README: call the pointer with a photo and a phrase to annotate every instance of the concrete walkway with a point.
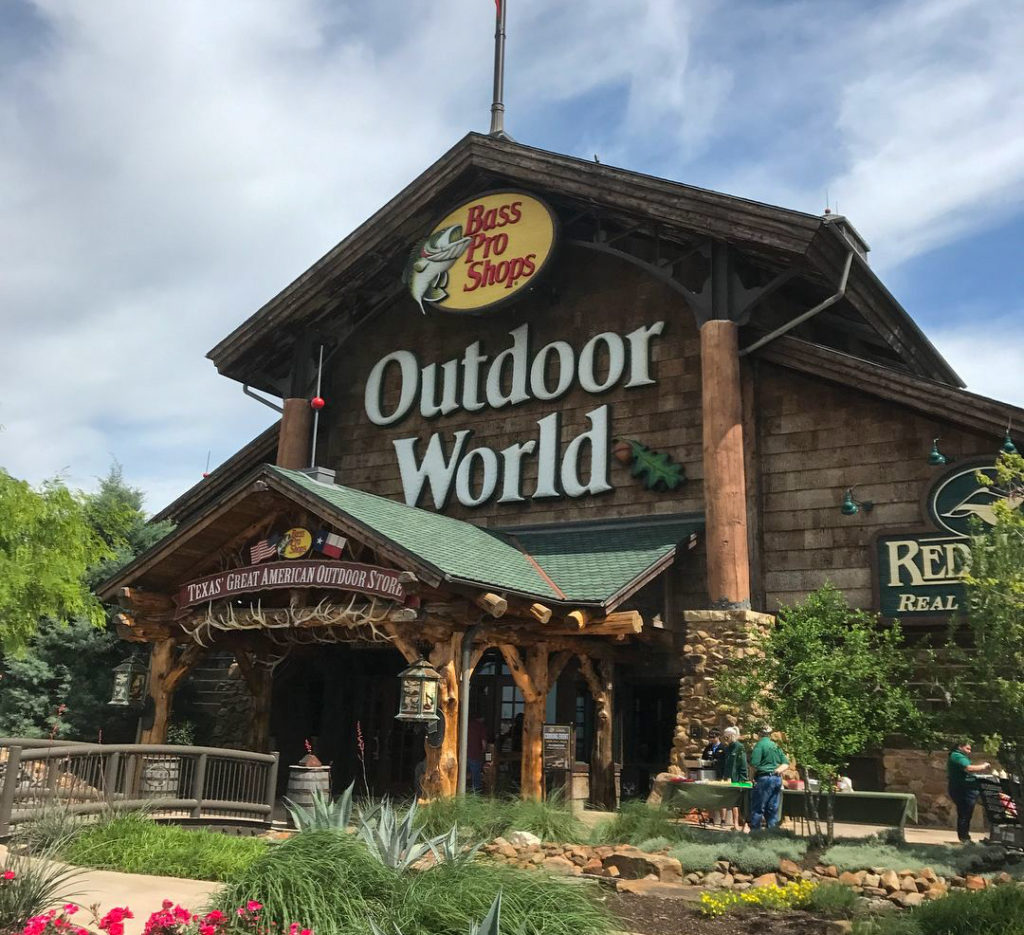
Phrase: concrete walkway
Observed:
(141, 894)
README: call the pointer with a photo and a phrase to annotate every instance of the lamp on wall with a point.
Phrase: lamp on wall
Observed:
(936, 457)
(851, 506)
(1008, 447)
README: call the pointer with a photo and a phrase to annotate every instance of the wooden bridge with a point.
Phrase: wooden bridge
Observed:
(169, 782)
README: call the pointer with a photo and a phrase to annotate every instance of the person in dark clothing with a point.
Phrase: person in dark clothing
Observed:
(714, 752)
(963, 787)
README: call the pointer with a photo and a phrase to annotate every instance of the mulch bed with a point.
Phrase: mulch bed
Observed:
(654, 915)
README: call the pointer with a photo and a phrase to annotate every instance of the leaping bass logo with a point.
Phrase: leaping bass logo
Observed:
(959, 500)
(482, 253)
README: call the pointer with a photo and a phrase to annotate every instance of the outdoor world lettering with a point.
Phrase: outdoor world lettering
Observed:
(572, 467)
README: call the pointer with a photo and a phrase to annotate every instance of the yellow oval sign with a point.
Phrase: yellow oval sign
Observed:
(295, 543)
(482, 253)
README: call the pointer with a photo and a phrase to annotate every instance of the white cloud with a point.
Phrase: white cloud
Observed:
(165, 168)
(987, 355)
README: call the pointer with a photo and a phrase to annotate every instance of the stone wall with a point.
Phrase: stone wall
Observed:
(712, 639)
(923, 773)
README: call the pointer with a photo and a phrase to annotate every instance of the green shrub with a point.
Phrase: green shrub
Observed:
(36, 885)
(944, 859)
(654, 844)
(832, 900)
(755, 854)
(481, 818)
(336, 887)
(133, 843)
(53, 828)
(996, 911)
(636, 822)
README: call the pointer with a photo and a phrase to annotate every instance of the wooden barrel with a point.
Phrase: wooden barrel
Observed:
(304, 780)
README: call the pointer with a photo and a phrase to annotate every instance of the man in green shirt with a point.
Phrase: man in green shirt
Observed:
(963, 787)
(768, 763)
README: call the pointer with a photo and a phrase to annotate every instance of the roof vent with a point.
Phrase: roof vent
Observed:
(849, 232)
(321, 474)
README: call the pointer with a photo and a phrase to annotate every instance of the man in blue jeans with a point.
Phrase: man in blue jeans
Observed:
(767, 763)
(963, 787)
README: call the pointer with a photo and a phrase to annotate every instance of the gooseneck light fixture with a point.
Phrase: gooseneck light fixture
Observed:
(1008, 447)
(851, 506)
(936, 457)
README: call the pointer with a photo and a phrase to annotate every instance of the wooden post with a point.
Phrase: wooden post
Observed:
(602, 766)
(531, 679)
(725, 503)
(441, 776)
(260, 680)
(161, 659)
(293, 439)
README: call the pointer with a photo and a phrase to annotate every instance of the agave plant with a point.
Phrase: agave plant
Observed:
(447, 848)
(324, 815)
(396, 843)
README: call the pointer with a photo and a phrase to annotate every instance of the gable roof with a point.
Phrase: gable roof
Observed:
(361, 275)
(596, 566)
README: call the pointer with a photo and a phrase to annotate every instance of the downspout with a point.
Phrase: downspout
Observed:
(800, 319)
(260, 399)
(467, 652)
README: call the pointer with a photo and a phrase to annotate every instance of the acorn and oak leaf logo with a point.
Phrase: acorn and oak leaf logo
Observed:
(959, 501)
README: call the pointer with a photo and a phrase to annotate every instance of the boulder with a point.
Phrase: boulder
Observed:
(839, 927)
(850, 879)
(832, 871)
(876, 891)
(908, 885)
(936, 891)
(593, 865)
(789, 868)
(715, 878)
(766, 879)
(889, 881)
(910, 900)
(559, 864)
(926, 873)
(973, 882)
(871, 879)
(523, 839)
(1001, 878)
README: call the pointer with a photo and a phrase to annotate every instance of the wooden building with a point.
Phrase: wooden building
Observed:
(589, 426)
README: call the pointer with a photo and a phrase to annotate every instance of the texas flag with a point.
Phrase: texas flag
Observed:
(329, 544)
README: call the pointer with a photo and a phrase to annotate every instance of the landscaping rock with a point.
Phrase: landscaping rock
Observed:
(889, 881)
(975, 883)
(1001, 879)
(908, 885)
(911, 900)
(871, 880)
(928, 874)
(839, 927)
(936, 891)
(832, 871)
(766, 879)
(789, 868)
(957, 881)
(715, 878)
(876, 891)
(558, 864)
(722, 866)
(851, 879)
(523, 839)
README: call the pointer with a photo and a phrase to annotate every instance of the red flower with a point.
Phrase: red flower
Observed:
(9, 874)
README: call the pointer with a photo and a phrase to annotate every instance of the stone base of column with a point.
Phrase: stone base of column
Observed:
(713, 639)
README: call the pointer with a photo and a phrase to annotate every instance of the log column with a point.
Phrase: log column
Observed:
(601, 682)
(165, 673)
(725, 504)
(531, 678)
(441, 776)
(260, 680)
(293, 439)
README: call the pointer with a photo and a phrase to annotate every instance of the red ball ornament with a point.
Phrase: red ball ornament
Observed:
(206, 473)
(317, 403)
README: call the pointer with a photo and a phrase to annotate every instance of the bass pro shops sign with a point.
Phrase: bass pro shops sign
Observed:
(483, 252)
(921, 574)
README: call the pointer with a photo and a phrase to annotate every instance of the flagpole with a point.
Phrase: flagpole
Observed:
(498, 105)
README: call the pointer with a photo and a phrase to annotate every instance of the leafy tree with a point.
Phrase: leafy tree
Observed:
(46, 546)
(987, 693)
(832, 680)
(67, 662)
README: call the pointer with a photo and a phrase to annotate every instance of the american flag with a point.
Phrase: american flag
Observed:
(263, 549)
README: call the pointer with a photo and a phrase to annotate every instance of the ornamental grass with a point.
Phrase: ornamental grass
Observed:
(332, 882)
(133, 843)
(995, 911)
(483, 818)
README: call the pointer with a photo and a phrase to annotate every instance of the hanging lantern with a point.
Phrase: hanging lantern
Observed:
(129, 683)
(1008, 447)
(419, 690)
(936, 457)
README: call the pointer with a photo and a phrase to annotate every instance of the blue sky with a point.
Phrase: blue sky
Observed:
(166, 167)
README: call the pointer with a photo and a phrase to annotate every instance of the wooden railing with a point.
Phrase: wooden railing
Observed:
(169, 782)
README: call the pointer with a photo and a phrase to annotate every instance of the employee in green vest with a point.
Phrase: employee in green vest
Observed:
(963, 787)
(768, 763)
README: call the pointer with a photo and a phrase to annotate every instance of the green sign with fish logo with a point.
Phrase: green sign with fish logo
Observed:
(481, 253)
(959, 499)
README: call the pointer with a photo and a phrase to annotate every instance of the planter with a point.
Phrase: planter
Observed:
(303, 781)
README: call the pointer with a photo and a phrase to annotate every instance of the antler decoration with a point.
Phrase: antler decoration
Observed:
(325, 623)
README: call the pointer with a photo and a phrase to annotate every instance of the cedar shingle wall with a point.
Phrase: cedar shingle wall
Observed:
(816, 439)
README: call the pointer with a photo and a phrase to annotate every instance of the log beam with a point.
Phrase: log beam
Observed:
(493, 604)
(294, 435)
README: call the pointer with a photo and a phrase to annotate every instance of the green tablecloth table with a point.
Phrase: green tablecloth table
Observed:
(683, 796)
(857, 808)
(890, 809)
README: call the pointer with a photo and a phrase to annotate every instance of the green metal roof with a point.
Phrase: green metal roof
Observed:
(588, 565)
